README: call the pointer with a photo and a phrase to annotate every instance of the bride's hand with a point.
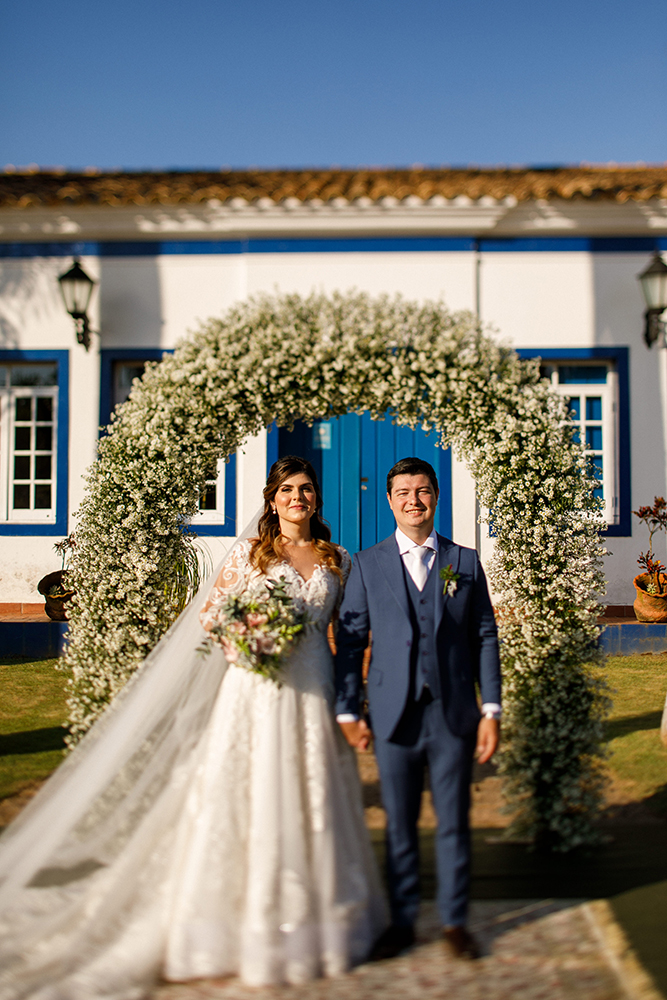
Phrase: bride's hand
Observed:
(357, 734)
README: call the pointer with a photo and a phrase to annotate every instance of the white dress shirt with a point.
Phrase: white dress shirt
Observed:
(407, 549)
(410, 556)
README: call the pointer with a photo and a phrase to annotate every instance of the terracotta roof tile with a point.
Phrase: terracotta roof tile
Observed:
(52, 189)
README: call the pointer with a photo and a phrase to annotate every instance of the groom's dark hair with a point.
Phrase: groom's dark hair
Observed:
(412, 467)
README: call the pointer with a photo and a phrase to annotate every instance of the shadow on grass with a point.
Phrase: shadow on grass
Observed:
(652, 807)
(631, 856)
(643, 915)
(632, 724)
(12, 661)
(33, 741)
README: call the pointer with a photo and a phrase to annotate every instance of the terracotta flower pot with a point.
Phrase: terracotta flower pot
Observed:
(649, 607)
(55, 601)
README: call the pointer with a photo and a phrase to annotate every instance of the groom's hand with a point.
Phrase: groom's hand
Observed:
(488, 733)
(357, 734)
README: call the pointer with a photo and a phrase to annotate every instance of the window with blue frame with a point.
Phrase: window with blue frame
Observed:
(28, 440)
(217, 504)
(591, 389)
(33, 442)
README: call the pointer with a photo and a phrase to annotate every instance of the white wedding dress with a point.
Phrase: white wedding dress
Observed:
(228, 839)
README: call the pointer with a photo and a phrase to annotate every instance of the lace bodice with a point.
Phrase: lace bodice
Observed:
(320, 595)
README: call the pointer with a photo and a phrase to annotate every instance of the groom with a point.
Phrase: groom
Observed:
(426, 602)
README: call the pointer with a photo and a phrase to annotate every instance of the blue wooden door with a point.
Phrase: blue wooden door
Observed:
(352, 456)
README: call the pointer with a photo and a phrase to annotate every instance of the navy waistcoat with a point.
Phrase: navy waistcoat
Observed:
(424, 665)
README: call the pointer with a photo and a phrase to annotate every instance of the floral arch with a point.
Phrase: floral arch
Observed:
(284, 358)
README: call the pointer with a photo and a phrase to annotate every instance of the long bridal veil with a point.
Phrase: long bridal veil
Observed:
(90, 812)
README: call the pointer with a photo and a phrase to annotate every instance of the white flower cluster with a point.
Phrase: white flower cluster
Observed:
(256, 630)
(285, 358)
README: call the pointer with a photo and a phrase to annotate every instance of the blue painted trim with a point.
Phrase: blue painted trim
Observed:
(362, 244)
(230, 496)
(632, 638)
(348, 474)
(107, 358)
(369, 244)
(621, 356)
(228, 529)
(82, 249)
(59, 526)
(272, 446)
(444, 516)
(585, 244)
(155, 248)
(33, 640)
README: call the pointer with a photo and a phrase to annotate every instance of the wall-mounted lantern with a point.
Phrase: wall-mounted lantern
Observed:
(654, 286)
(77, 288)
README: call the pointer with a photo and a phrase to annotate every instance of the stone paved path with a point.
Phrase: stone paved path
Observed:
(532, 950)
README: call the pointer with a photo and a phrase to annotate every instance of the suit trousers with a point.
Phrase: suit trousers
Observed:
(422, 739)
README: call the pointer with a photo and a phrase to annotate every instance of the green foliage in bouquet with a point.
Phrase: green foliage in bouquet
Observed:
(257, 632)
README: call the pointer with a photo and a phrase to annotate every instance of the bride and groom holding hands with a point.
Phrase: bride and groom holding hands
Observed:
(264, 868)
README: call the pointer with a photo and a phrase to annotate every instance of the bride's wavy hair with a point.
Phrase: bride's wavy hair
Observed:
(266, 549)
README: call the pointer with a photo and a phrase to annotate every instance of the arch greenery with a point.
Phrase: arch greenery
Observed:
(284, 358)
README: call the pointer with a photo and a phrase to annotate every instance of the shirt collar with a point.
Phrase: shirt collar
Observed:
(405, 544)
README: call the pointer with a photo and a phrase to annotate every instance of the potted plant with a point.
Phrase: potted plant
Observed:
(651, 585)
(54, 587)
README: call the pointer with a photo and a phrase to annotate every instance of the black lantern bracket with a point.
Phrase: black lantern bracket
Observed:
(654, 286)
(77, 287)
(655, 327)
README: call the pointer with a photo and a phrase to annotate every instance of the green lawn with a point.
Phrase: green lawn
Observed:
(32, 710)
(638, 687)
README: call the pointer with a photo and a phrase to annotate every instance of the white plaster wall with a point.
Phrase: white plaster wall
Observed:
(32, 314)
(24, 560)
(84, 407)
(194, 289)
(540, 299)
(463, 505)
(153, 302)
(450, 276)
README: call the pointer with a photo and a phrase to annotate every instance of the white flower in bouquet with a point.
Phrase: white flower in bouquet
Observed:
(257, 632)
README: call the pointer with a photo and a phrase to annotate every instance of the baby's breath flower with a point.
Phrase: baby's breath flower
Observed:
(284, 358)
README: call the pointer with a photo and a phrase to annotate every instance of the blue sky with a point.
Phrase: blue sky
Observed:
(211, 83)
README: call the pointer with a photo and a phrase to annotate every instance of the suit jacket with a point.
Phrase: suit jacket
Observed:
(376, 599)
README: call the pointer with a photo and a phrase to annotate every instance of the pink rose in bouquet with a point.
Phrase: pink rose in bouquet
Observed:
(257, 632)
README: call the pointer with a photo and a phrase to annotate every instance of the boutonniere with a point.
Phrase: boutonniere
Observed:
(450, 577)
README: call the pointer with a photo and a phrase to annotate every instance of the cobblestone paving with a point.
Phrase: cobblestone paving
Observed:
(531, 950)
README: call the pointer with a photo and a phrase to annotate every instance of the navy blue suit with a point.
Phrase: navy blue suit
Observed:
(429, 651)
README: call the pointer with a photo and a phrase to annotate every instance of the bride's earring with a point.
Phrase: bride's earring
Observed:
(274, 508)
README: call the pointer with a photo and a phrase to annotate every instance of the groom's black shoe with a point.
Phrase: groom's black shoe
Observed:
(394, 940)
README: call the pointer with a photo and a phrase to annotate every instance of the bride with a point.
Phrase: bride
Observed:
(210, 824)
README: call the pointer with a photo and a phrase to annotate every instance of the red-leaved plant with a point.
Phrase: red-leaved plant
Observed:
(655, 519)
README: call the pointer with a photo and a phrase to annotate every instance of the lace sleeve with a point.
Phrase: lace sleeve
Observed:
(231, 580)
(345, 567)
(346, 563)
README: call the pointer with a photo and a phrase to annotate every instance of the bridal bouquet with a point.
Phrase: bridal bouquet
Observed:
(256, 632)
